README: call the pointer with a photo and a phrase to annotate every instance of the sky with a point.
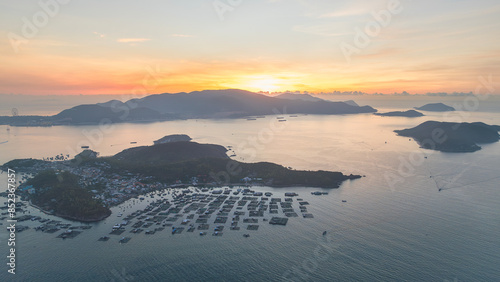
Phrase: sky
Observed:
(156, 46)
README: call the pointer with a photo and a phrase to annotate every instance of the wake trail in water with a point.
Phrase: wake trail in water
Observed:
(453, 183)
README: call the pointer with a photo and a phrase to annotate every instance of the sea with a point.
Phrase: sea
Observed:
(415, 215)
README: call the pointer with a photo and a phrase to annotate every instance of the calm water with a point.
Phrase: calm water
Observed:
(404, 232)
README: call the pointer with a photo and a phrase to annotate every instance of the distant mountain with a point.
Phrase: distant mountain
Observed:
(198, 104)
(310, 98)
(436, 107)
(96, 113)
(409, 113)
(303, 97)
(239, 103)
(452, 136)
(352, 103)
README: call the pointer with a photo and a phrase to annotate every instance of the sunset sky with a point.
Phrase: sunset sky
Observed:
(139, 47)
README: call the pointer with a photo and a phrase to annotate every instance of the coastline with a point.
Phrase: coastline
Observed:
(68, 217)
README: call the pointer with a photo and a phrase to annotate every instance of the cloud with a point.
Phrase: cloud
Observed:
(101, 35)
(132, 40)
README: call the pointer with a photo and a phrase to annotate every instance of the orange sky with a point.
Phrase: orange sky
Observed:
(93, 48)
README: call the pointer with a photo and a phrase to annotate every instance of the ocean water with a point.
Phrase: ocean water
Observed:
(387, 230)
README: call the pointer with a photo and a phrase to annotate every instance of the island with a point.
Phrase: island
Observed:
(436, 107)
(84, 187)
(207, 104)
(409, 113)
(60, 194)
(172, 138)
(452, 136)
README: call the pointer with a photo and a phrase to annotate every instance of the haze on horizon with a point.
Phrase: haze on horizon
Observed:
(122, 47)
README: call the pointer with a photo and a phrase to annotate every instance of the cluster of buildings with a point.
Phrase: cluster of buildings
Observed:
(111, 188)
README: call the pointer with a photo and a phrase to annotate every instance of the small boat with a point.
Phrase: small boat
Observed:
(344, 201)
(133, 142)
(324, 233)
(85, 147)
(203, 233)
(246, 235)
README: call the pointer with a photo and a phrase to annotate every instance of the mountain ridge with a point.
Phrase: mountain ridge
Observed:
(228, 103)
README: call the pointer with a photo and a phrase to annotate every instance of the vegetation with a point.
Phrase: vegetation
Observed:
(21, 163)
(227, 171)
(61, 193)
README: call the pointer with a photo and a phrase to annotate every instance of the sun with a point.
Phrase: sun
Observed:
(269, 84)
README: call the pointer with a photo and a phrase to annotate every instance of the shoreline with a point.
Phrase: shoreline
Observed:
(69, 217)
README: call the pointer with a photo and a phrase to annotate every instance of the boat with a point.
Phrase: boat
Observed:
(246, 235)
(203, 233)
(85, 147)
(324, 233)
(133, 142)
(344, 201)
